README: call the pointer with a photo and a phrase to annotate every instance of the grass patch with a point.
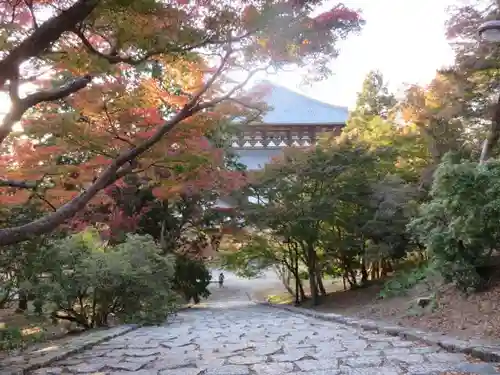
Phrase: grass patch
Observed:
(279, 295)
(280, 299)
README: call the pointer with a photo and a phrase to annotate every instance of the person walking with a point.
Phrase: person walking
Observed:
(221, 280)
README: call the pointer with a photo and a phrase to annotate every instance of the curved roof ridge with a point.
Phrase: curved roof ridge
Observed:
(291, 107)
(320, 102)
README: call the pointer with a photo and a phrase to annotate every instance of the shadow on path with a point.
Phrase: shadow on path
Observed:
(229, 335)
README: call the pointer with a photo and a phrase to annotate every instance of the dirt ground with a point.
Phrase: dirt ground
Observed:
(34, 330)
(474, 317)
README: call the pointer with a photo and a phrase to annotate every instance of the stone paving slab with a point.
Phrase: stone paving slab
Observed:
(485, 350)
(48, 353)
(258, 340)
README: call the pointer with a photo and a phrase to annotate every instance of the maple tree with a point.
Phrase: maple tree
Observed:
(335, 208)
(373, 121)
(436, 110)
(105, 88)
(185, 223)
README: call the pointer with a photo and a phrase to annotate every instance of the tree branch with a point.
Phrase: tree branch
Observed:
(114, 58)
(18, 184)
(239, 86)
(257, 114)
(29, 4)
(43, 37)
(493, 135)
(52, 207)
(122, 165)
(20, 106)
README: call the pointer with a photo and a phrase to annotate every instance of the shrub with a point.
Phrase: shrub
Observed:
(459, 225)
(12, 338)
(402, 281)
(87, 281)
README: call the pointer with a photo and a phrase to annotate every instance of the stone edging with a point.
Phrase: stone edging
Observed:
(485, 351)
(35, 359)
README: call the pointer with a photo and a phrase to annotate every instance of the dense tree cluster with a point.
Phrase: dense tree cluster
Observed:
(412, 180)
(113, 150)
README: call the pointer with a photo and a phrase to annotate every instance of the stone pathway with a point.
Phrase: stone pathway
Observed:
(231, 336)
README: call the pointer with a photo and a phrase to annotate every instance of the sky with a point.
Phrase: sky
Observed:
(404, 39)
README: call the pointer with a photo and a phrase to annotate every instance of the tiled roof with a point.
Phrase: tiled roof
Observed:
(291, 108)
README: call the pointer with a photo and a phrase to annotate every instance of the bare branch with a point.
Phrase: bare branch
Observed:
(231, 92)
(114, 132)
(56, 94)
(43, 37)
(114, 58)
(257, 111)
(29, 4)
(493, 135)
(212, 79)
(18, 184)
(45, 200)
(20, 106)
(248, 106)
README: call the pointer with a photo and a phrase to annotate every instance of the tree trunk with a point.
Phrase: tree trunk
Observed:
(288, 288)
(101, 319)
(314, 288)
(389, 266)
(352, 273)
(319, 281)
(297, 291)
(375, 274)
(196, 299)
(364, 272)
(38, 306)
(352, 283)
(493, 135)
(432, 143)
(303, 296)
(311, 254)
(294, 260)
(384, 267)
(22, 303)
(283, 274)
(300, 294)
(349, 273)
(319, 278)
(288, 277)
(298, 286)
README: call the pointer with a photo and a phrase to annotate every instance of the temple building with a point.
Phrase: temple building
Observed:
(293, 120)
